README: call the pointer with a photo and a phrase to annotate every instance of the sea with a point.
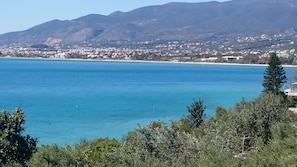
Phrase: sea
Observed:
(66, 101)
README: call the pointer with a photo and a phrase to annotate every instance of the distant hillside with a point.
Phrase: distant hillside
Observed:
(173, 21)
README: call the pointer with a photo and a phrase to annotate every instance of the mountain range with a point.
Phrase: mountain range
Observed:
(172, 21)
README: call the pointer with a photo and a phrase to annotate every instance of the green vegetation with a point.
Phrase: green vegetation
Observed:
(196, 114)
(15, 148)
(260, 132)
(52, 155)
(274, 76)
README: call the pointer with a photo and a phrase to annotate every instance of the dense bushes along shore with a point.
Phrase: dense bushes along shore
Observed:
(261, 132)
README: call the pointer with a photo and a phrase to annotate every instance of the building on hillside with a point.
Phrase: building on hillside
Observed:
(232, 58)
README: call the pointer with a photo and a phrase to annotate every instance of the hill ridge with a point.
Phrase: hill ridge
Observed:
(171, 21)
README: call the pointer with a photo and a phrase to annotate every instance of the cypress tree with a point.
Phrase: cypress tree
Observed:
(196, 113)
(274, 76)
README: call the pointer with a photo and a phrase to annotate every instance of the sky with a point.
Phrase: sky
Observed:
(18, 15)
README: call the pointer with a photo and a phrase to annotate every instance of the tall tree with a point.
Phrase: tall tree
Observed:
(274, 76)
(196, 113)
(14, 147)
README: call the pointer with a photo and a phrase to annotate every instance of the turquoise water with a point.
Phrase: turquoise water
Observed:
(65, 101)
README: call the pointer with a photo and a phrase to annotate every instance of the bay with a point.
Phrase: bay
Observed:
(65, 101)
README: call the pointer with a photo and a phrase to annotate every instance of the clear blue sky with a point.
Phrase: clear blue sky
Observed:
(17, 15)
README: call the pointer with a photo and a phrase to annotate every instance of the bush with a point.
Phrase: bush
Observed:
(15, 148)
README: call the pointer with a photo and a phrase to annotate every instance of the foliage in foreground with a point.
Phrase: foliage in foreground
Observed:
(281, 150)
(15, 148)
(261, 132)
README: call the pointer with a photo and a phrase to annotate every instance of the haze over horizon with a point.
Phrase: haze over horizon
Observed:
(21, 15)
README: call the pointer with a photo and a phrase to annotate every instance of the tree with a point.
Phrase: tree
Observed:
(99, 148)
(274, 76)
(53, 155)
(197, 115)
(163, 144)
(14, 147)
(280, 152)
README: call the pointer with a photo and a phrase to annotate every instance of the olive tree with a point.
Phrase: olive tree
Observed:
(53, 155)
(157, 144)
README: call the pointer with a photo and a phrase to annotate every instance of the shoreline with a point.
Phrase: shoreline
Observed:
(144, 61)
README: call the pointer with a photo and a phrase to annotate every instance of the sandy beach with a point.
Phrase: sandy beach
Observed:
(145, 61)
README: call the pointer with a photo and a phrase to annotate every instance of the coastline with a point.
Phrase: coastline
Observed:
(77, 95)
(145, 61)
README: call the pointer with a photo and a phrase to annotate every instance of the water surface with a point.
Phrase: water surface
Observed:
(65, 101)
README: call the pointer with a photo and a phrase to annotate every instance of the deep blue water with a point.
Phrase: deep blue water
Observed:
(65, 101)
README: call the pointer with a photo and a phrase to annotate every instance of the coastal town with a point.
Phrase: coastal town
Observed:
(245, 50)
